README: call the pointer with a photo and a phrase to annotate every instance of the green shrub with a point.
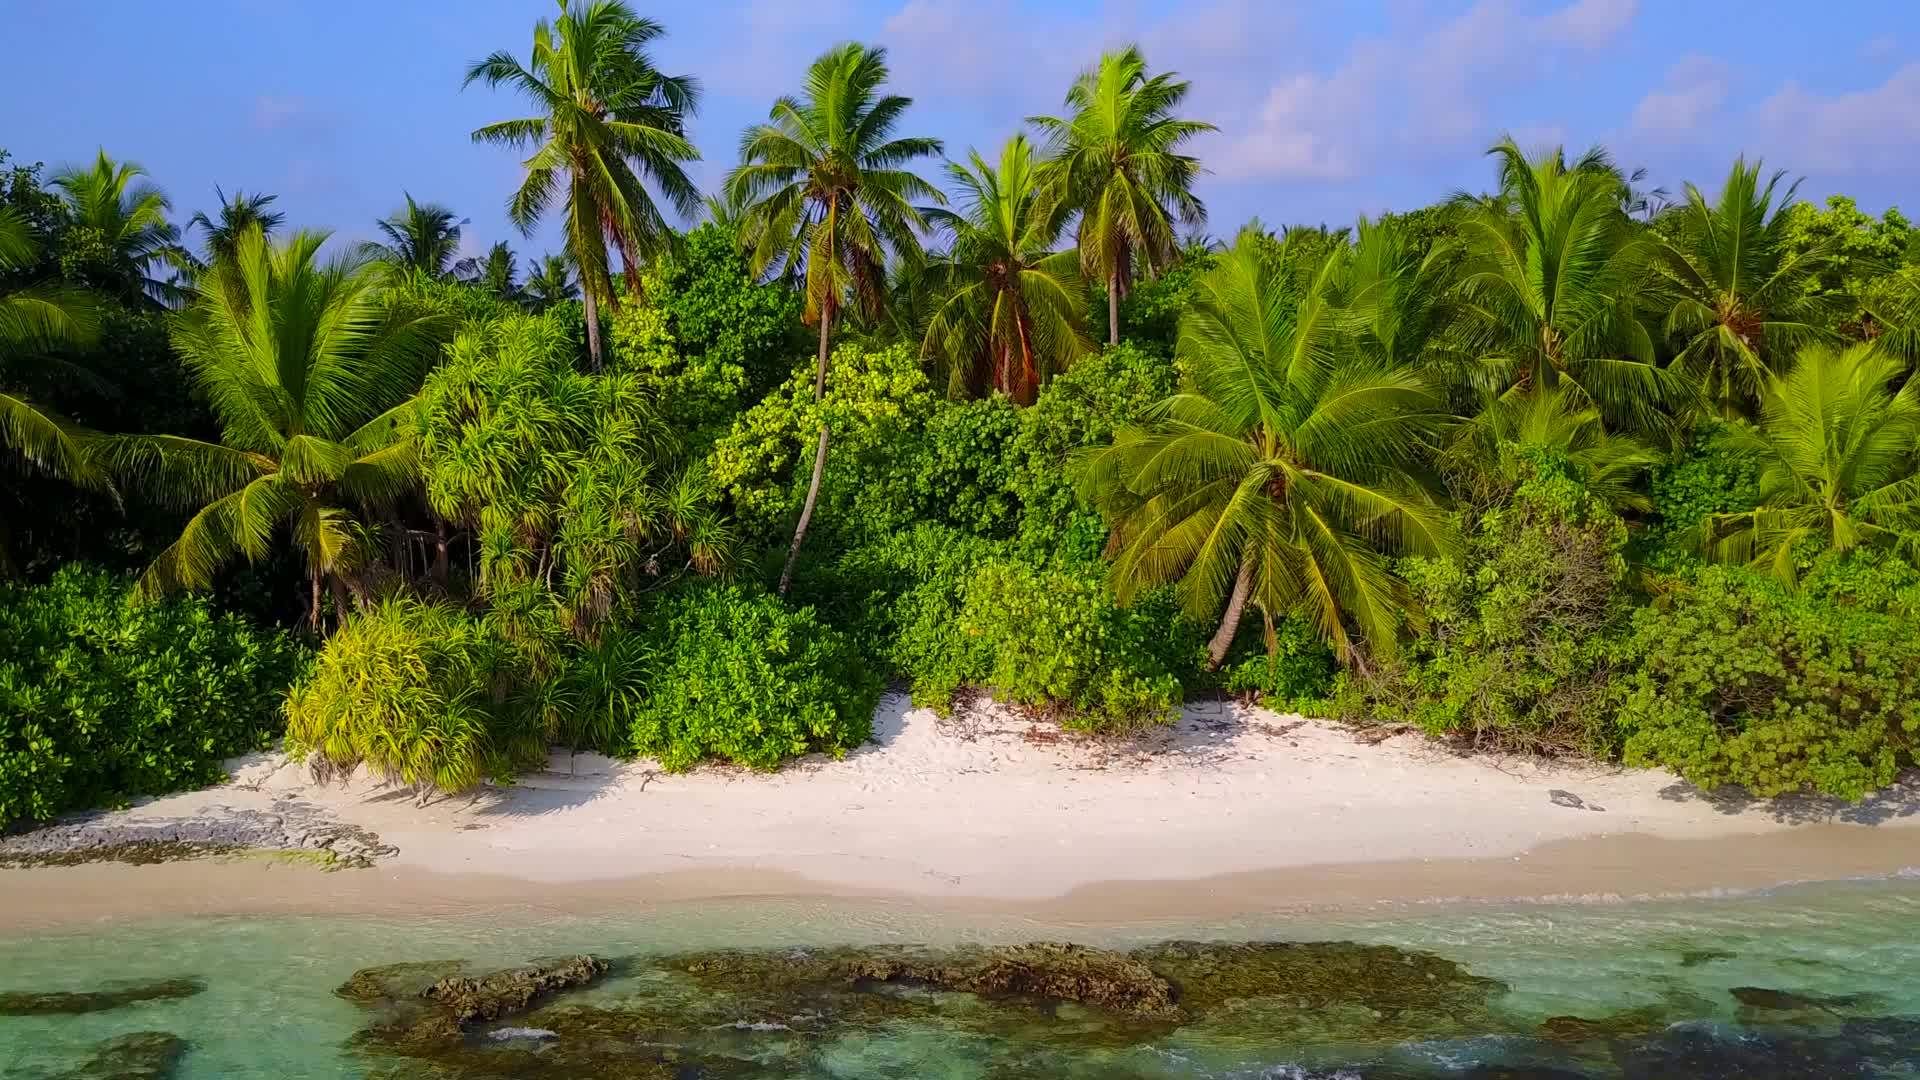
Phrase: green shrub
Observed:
(1708, 477)
(877, 406)
(951, 612)
(101, 699)
(1292, 672)
(1736, 679)
(422, 694)
(1077, 410)
(1514, 653)
(738, 676)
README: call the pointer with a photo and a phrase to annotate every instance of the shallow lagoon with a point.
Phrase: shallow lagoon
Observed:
(1829, 974)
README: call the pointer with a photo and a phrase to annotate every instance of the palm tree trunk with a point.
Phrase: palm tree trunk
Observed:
(592, 312)
(313, 606)
(1113, 308)
(439, 570)
(1236, 604)
(819, 452)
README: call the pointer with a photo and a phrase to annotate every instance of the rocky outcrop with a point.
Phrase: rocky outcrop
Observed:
(290, 826)
(1050, 970)
(118, 995)
(141, 1055)
(503, 993)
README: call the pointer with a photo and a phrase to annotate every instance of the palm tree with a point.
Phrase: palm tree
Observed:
(549, 282)
(310, 372)
(826, 197)
(494, 273)
(1116, 162)
(236, 216)
(1562, 425)
(119, 223)
(1550, 286)
(31, 320)
(1285, 474)
(421, 236)
(1014, 313)
(1735, 292)
(1838, 445)
(606, 118)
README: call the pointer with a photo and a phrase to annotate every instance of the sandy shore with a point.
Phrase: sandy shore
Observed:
(1234, 811)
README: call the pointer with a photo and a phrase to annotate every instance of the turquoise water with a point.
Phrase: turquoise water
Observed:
(1840, 962)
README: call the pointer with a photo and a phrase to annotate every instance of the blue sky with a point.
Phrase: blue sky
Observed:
(1326, 109)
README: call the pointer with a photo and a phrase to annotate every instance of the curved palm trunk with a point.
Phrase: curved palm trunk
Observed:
(1230, 624)
(1113, 308)
(592, 312)
(819, 453)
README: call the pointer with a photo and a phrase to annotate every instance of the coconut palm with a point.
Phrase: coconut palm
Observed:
(420, 236)
(1551, 284)
(119, 224)
(1116, 163)
(236, 215)
(1735, 292)
(309, 371)
(827, 198)
(495, 273)
(549, 282)
(1014, 312)
(32, 320)
(1563, 425)
(1838, 445)
(1285, 475)
(606, 118)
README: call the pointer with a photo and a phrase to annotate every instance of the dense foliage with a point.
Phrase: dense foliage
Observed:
(421, 694)
(102, 698)
(1738, 679)
(736, 675)
(1558, 467)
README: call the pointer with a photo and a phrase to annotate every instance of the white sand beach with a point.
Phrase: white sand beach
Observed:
(1234, 809)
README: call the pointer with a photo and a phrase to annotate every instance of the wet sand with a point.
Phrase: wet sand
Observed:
(1599, 870)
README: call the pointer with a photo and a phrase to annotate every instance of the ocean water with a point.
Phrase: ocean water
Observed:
(1811, 981)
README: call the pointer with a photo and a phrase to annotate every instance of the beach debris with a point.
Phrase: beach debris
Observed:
(139, 1055)
(291, 825)
(503, 993)
(115, 996)
(1562, 797)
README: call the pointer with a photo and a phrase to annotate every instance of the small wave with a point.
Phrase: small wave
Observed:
(753, 1025)
(508, 1034)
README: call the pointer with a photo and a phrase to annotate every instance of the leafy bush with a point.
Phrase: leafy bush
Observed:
(1292, 671)
(1079, 409)
(422, 694)
(738, 676)
(950, 611)
(1515, 652)
(1737, 679)
(1708, 477)
(101, 699)
(877, 405)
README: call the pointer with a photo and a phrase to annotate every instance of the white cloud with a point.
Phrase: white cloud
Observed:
(1428, 88)
(1872, 130)
(1590, 24)
(1695, 90)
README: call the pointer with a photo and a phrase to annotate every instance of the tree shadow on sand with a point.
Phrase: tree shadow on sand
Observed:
(1900, 799)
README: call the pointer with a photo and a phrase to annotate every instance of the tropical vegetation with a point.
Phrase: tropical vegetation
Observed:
(1558, 467)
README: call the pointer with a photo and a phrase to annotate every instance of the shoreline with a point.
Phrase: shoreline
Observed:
(1233, 811)
(1621, 869)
